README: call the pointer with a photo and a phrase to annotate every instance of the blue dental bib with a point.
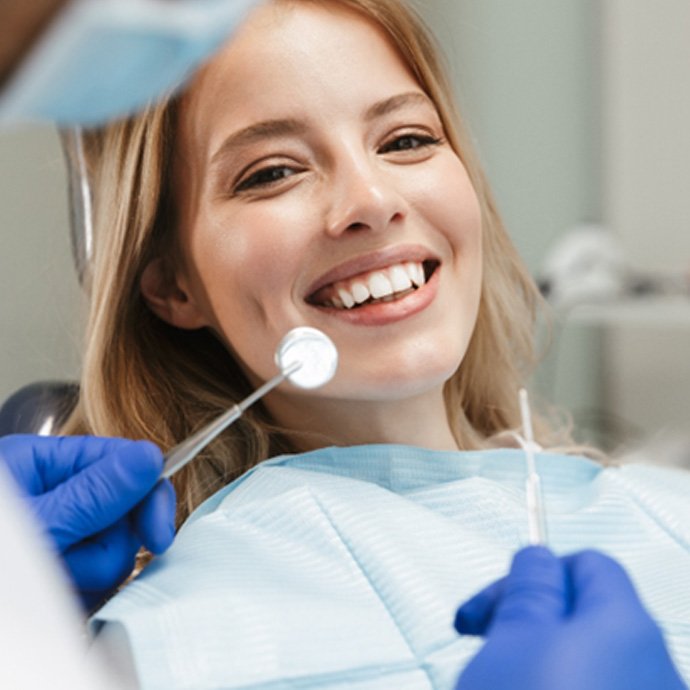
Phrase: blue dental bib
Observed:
(343, 567)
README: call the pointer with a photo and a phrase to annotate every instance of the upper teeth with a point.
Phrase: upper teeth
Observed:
(378, 284)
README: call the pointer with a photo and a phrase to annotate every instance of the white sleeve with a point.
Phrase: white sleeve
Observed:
(42, 637)
(112, 649)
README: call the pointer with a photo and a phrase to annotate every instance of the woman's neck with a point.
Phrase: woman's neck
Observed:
(419, 421)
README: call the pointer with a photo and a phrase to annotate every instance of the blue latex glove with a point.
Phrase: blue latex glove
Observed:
(99, 499)
(572, 623)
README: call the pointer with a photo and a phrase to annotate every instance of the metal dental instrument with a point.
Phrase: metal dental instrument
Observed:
(535, 504)
(305, 356)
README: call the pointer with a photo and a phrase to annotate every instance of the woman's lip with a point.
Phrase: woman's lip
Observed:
(370, 262)
(383, 313)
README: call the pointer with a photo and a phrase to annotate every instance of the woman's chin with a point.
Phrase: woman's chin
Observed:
(403, 385)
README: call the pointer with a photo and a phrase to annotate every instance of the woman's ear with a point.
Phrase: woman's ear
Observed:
(167, 299)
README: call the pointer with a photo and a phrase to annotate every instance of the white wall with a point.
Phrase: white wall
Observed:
(646, 69)
(40, 327)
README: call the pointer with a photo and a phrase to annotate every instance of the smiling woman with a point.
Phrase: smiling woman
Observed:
(315, 174)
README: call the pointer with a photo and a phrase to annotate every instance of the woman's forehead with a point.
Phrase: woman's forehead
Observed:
(294, 59)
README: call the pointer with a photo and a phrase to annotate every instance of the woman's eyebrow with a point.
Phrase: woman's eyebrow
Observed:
(259, 131)
(401, 100)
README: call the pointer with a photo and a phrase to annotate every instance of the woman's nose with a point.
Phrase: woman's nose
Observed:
(363, 198)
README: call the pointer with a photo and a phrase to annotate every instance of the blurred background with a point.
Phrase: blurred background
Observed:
(579, 110)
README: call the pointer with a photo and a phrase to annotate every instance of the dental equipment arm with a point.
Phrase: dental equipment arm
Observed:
(99, 500)
(573, 623)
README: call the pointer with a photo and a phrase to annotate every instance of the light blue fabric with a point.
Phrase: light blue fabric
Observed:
(342, 568)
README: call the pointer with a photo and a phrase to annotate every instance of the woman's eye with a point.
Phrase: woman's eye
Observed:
(409, 142)
(265, 177)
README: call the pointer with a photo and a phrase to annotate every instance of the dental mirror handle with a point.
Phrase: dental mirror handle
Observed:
(177, 457)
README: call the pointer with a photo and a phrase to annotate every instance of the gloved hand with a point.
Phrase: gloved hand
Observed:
(99, 499)
(572, 623)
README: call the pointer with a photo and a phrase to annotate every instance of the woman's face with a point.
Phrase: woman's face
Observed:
(316, 188)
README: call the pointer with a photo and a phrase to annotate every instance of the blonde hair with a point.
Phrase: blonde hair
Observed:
(145, 379)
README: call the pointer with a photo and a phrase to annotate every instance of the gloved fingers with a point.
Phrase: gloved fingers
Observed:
(535, 578)
(605, 597)
(536, 590)
(17, 454)
(474, 616)
(101, 493)
(40, 463)
(154, 518)
(104, 561)
(601, 583)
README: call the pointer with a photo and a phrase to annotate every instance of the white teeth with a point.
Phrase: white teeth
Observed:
(346, 298)
(421, 276)
(386, 285)
(360, 292)
(379, 285)
(399, 279)
(416, 273)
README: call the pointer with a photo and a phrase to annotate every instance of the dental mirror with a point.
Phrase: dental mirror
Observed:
(305, 356)
(315, 352)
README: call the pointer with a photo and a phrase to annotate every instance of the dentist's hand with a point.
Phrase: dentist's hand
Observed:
(572, 623)
(99, 499)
